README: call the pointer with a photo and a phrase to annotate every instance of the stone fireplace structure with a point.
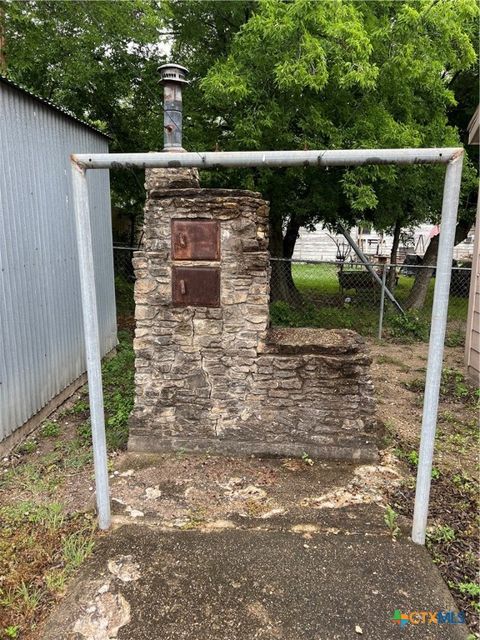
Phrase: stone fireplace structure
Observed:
(211, 374)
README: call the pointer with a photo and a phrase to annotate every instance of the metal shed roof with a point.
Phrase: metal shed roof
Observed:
(53, 106)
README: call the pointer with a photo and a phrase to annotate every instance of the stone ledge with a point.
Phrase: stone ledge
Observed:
(199, 192)
(289, 340)
(367, 452)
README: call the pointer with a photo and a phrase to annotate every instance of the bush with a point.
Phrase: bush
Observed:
(409, 327)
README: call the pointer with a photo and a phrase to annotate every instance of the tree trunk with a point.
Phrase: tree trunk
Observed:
(418, 293)
(282, 286)
(393, 255)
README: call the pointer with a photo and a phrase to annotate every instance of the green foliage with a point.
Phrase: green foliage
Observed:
(48, 515)
(330, 75)
(266, 75)
(29, 446)
(118, 379)
(455, 338)
(76, 548)
(453, 384)
(470, 588)
(307, 459)
(412, 458)
(391, 518)
(124, 296)
(408, 327)
(441, 534)
(98, 60)
(49, 429)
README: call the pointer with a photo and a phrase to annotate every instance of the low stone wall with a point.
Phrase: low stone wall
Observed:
(216, 378)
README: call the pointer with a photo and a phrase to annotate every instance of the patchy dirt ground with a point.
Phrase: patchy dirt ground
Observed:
(453, 534)
(398, 372)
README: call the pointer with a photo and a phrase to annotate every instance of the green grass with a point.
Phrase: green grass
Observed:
(118, 396)
(41, 546)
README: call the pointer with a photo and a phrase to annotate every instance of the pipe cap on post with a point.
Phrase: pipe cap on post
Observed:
(173, 73)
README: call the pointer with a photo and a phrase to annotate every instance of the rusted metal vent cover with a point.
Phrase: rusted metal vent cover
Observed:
(196, 286)
(195, 240)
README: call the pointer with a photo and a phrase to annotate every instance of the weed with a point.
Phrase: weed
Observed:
(81, 406)
(49, 516)
(118, 377)
(441, 533)
(76, 548)
(412, 458)
(307, 459)
(409, 327)
(417, 385)
(84, 434)
(435, 473)
(391, 519)
(49, 429)
(470, 588)
(26, 597)
(455, 338)
(11, 632)
(55, 581)
(29, 446)
(464, 483)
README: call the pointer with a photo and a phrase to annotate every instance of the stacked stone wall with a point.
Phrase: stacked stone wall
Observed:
(219, 379)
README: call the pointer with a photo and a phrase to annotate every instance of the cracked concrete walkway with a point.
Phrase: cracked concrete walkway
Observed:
(232, 549)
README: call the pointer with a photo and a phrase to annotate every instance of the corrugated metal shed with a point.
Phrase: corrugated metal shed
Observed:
(41, 336)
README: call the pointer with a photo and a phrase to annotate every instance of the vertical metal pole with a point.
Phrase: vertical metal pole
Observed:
(441, 294)
(92, 342)
(382, 302)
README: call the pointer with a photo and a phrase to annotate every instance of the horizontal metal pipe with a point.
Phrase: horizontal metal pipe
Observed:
(322, 158)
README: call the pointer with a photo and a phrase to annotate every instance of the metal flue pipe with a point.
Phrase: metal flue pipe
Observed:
(173, 77)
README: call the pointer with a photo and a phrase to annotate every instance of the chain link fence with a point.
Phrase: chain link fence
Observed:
(124, 282)
(348, 295)
(342, 295)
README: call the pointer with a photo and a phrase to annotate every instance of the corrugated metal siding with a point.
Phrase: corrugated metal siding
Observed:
(41, 339)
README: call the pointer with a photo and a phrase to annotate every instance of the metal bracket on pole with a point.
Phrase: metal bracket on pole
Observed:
(363, 258)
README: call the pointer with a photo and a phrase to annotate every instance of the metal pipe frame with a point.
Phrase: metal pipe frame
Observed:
(452, 157)
(214, 159)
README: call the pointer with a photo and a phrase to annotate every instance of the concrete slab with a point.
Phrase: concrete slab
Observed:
(229, 584)
(215, 548)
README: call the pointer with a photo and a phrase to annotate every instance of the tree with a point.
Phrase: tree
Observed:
(99, 61)
(344, 74)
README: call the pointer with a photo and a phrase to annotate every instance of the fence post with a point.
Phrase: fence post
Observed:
(382, 301)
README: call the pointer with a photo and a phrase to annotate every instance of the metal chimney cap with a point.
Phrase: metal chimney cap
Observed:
(173, 73)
